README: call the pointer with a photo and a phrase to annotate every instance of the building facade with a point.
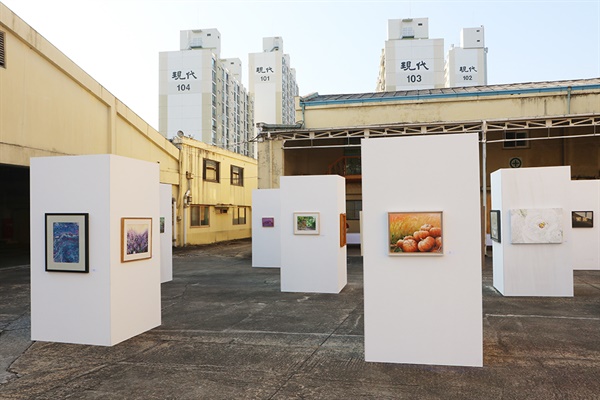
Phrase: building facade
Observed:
(467, 65)
(413, 61)
(202, 96)
(50, 107)
(216, 187)
(519, 125)
(272, 83)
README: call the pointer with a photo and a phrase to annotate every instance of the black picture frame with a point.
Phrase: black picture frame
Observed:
(67, 242)
(582, 219)
(495, 226)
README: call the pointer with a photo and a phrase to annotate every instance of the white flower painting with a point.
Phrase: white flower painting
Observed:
(537, 225)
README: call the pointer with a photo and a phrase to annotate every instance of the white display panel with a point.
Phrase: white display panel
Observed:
(585, 246)
(165, 231)
(527, 268)
(313, 262)
(113, 301)
(266, 240)
(423, 309)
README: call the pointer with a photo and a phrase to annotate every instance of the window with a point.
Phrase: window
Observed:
(199, 215)
(237, 176)
(239, 216)
(353, 208)
(2, 57)
(515, 140)
(211, 170)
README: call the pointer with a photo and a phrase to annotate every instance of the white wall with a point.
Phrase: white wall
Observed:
(266, 242)
(585, 242)
(423, 309)
(313, 263)
(532, 269)
(166, 238)
(114, 301)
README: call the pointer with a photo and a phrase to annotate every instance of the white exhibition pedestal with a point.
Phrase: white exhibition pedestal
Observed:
(585, 242)
(114, 301)
(313, 263)
(532, 269)
(166, 237)
(266, 240)
(423, 309)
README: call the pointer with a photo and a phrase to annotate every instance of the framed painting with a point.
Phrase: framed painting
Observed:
(67, 242)
(536, 225)
(582, 219)
(268, 222)
(162, 225)
(306, 223)
(415, 233)
(343, 230)
(136, 239)
(495, 225)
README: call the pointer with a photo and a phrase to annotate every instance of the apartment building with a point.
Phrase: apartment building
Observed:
(272, 83)
(201, 95)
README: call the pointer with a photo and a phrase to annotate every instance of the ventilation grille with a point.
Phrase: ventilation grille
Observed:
(2, 58)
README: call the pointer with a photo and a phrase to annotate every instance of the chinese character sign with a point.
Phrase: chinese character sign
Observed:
(184, 81)
(467, 69)
(264, 73)
(417, 73)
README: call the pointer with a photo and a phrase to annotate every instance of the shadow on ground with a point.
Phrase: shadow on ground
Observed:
(228, 332)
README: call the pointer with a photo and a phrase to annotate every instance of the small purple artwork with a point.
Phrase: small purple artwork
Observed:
(137, 239)
(268, 222)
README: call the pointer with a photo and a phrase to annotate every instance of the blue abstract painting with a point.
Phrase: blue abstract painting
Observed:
(66, 242)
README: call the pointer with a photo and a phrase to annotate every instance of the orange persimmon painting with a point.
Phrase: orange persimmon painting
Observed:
(415, 233)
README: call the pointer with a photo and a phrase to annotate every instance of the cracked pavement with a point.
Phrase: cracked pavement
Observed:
(228, 332)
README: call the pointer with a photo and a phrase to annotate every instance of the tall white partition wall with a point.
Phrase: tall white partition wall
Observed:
(266, 237)
(166, 233)
(585, 240)
(315, 262)
(114, 301)
(532, 269)
(423, 309)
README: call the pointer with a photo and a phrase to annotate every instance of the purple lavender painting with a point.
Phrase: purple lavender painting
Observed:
(137, 238)
(66, 242)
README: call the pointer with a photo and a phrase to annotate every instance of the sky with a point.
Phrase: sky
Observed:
(335, 46)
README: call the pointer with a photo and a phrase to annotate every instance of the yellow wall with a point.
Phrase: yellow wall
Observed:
(451, 109)
(51, 107)
(222, 194)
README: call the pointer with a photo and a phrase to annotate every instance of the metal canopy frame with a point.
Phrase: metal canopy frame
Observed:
(294, 139)
(317, 138)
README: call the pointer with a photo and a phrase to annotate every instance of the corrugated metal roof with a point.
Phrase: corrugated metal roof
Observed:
(454, 91)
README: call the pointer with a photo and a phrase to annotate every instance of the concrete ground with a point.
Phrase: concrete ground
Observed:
(229, 333)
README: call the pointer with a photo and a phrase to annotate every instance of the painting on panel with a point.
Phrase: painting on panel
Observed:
(536, 225)
(582, 219)
(415, 233)
(268, 222)
(136, 239)
(67, 243)
(306, 223)
(343, 230)
(162, 224)
(495, 225)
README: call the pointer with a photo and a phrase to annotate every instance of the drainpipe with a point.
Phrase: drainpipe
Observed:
(484, 181)
(174, 221)
(569, 100)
